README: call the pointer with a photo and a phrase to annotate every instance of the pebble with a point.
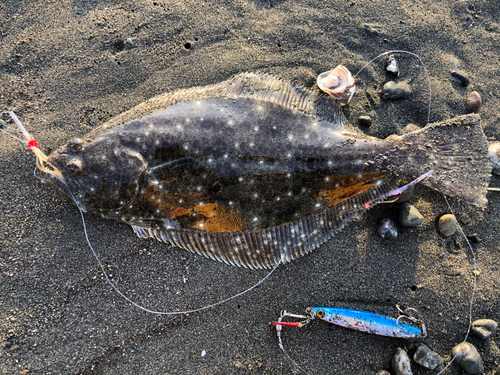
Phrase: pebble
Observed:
(427, 358)
(370, 30)
(494, 151)
(129, 43)
(388, 230)
(365, 120)
(392, 66)
(447, 225)
(409, 216)
(473, 102)
(484, 328)
(401, 363)
(468, 358)
(393, 90)
(383, 372)
(464, 80)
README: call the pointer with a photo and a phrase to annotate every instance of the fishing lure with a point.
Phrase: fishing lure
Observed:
(254, 171)
(360, 321)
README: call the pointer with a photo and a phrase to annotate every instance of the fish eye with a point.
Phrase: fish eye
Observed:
(320, 314)
(75, 166)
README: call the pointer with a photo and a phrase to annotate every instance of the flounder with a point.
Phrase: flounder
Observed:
(255, 171)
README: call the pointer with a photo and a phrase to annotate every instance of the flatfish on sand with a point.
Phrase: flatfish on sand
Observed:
(255, 171)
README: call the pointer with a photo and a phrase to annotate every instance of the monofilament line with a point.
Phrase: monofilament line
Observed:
(421, 62)
(154, 311)
(474, 288)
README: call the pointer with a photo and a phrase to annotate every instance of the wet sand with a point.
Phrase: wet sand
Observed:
(68, 66)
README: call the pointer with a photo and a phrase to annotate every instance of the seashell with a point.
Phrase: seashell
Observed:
(338, 83)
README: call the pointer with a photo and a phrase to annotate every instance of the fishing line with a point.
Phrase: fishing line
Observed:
(421, 62)
(474, 287)
(155, 311)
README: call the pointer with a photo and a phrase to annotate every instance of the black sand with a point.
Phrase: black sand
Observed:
(68, 66)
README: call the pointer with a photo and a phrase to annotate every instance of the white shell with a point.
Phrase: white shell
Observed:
(338, 83)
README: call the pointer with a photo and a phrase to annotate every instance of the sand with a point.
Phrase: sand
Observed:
(68, 66)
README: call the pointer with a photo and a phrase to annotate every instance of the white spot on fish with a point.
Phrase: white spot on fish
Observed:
(289, 193)
(226, 156)
(290, 137)
(256, 128)
(255, 195)
(230, 122)
(151, 125)
(330, 162)
(187, 120)
(288, 155)
(103, 157)
(115, 152)
(186, 147)
(179, 126)
(198, 102)
(255, 219)
(198, 188)
(278, 198)
(314, 124)
(261, 162)
(260, 108)
(251, 144)
(138, 139)
(317, 205)
(230, 203)
(157, 142)
(327, 179)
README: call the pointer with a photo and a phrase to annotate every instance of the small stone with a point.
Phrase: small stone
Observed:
(129, 43)
(393, 90)
(370, 30)
(409, 216)
(365, 120)
(493, 152)
(383, 372)
(474, 238)
(484, 328)
(401, 363)
(473, 102)
(468, 358)
(392, 66)
(447, 225)
(427, 358)
(464, 80)
(388, 230)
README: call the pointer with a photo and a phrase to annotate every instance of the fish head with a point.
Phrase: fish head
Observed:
(100, 176)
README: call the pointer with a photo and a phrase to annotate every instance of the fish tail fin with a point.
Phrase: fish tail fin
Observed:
(457, 152)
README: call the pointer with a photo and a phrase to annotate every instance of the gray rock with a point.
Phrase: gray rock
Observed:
(409, 216)
(383, 372)
(365, 120)
(401, 363)
(393, 90)
(484, 328)
(427, 358)
(468, 358)
(447, 225)
(473, 102)
(388, 230)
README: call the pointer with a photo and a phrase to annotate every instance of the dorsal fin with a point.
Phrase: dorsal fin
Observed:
(246, 85)
(267, 247)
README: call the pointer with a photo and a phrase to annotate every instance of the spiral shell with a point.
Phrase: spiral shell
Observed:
(338, 83)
